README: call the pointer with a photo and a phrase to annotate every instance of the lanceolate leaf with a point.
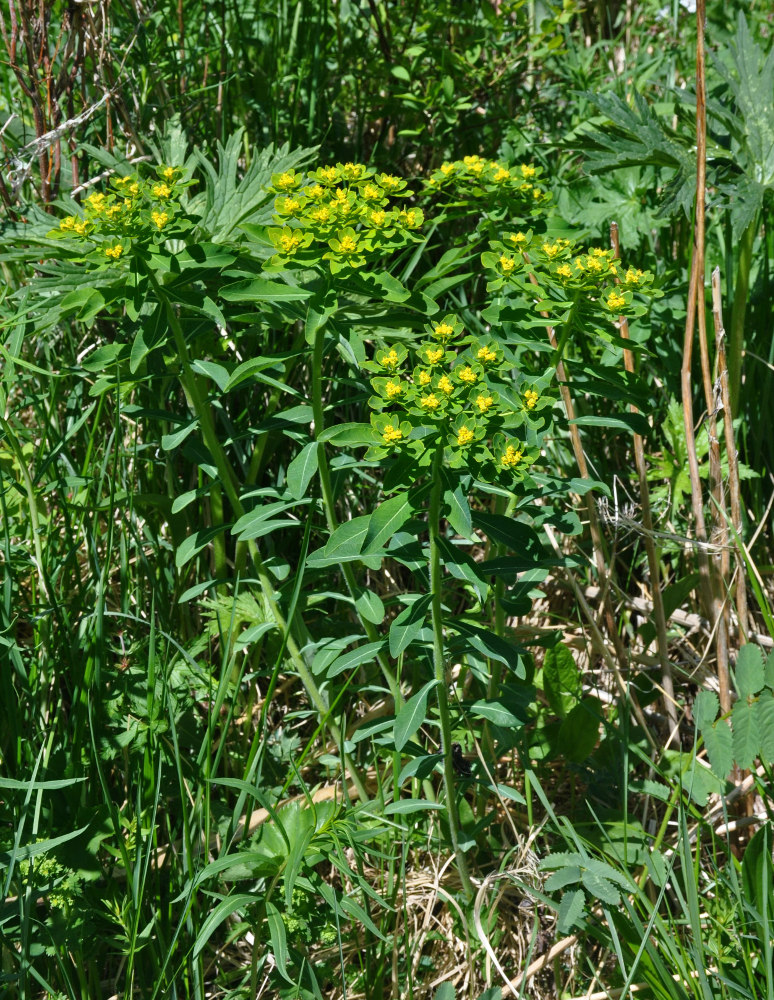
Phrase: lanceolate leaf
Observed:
(412, 715)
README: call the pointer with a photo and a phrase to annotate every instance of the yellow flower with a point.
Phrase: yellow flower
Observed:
(476, 168)
(315, 192)
(615, 300)
(290, 206)
(447, 168)
(352, 171)
(424, 378)
(467, 374)
(430, 402)
(378, 218)
(96, 202)
(564, 271)
(348, 245)
(445, 384)
(134, 188)
(527, 171)
(434, 355)
(114, 252)
(518, 238)
(390, 360)
(160, 219)
(507, 264)
(594, 264)
(486, 354)
(530, 399)
(329, 174)
(393, 389)
(289, 243)
(68, 223)
(410, 218)
(633, 276)
(469, 161)
(286, 181)
(80, 227)
(389, 182)
(511, 458)
(391, 435)
(169, 173)
(551, 249)
(464, 436)
(322, 214)
(484, 402)
(500, 175)
(443, 331)
(112, 212)
(371, 192)
(161, 190)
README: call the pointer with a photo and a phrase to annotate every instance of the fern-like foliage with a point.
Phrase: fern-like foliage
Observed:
(749, 732)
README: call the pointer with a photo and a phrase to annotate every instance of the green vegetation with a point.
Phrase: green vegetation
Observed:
(384, 483)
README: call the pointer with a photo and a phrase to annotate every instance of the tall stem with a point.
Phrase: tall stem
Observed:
(439, 668)
(229, 482)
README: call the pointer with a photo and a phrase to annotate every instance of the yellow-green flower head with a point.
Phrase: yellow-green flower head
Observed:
(467, 375)
(424, 378)
(328, 175)
(371, 192)
(378, 218)
(161, 190)
(348, 244)
(434, 355)
(615, 300)
(389, 182)
(484, 402)
(599, 252)
(564, 271)
(352, 171)
(81, 226)
(68, 223)
(322, 215)
(160, 219)
(594, 265)
(518, 239)
(443, 332)
(430, 402)
(393, 390)
(411, 218)
(392, 435)
(486, 355)
(527, 171)
(500, 175)
(476, 168)
(286, 181)
(168, 173)
(448, 168)
(445, 385)
(464, 436)
(289, 242)
(552, 249)
(470, 161)
(114, 252)
(530, 399)
(316, 192)
(511, 457)
(507, 264)
(96, 202)
(288, 206)
(389, 359)
(633, 276)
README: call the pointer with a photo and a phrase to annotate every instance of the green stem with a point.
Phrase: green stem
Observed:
(739, 312)
(229, 483)
(439, 668)
(330, 509)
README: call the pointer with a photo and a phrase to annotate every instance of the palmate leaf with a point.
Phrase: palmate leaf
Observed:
(638, 136)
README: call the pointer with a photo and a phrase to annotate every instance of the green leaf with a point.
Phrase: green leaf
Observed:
(461, 566)
(354, 658)
(518, 537)
(458, 513)
(369, 606)
(705, 709)
(571, 909)
(600, 888)
(562, 679)
(444, 992)
(408, 624)
(388, 518)
(215, 918)
(405, 806)
(490, 645)
(497, 713)
(344, 545)
(746, 735)
(579, 732)
(412, 715)
(769, 670)
(420, 767)
(749, 671)
(262, 290)
(766, 726)
(302, 469)
(634, 423)
(563, 877)
(718, 743)
(195, 542)
(278, 938)
(348, 435)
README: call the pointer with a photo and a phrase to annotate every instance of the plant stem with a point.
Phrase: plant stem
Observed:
(439, 667)
(229, 482)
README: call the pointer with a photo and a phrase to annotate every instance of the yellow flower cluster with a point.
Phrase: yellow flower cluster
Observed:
(392, 435)
(511, 457)
(494, 176)
(530, 399)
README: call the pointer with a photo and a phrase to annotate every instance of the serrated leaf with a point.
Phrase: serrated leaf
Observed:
(562, 878)
(412, 715)
(749, 670)
(705, 709)
(600, 888)
(746, 735)
(766, 726)
(719, 745)
(571, 910)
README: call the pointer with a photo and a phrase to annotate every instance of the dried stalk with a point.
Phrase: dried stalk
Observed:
(667, 682)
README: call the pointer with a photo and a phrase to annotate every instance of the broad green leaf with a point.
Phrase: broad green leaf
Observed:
(571, 909)
(195, 542)
(562, 679)
(600, 888)
(749, 671)
(354, 658)
(344, 545)
(769, 670)
(171, 441)
(461, 566)
(766, 725)
(302, 469)
(563, 877)
(705, 709)
(746, 735)
(348, 435)
(408, 624)
(718, 743)
(369, 606)
(519, 537)
(420, 767)
(405, 806)
(262, 290)
(458, 512)
(579, 732)
(218, 374)
(412, 715)
(491, 645)
(444, 992)
(634, 423)
(497, 713)
(388, 518)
